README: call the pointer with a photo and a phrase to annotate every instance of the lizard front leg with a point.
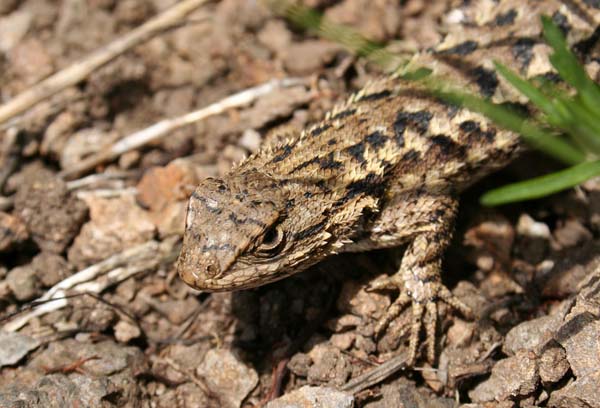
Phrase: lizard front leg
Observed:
(418, 279)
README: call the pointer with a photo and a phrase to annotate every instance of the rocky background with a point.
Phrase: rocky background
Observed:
(102, 238)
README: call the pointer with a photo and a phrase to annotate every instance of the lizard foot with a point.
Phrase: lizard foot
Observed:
(424, 302)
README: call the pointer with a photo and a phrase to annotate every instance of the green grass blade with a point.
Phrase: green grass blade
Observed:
(529, 90)
(568, 66)
(542, 186)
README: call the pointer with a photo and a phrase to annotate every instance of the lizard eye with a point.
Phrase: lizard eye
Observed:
(272, 241)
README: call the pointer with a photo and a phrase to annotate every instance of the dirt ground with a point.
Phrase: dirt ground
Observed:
(127, 332)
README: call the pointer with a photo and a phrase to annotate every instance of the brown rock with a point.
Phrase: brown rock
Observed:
(50, 268)
(330, 366)
(227, 376)
(581, 393)
(160, 186)
(376, 23)
(309, 56)
(513, 377)
(553, 364)
(165, 191)
(308, 397)
(12, 231)
(532, 334)
(23, 283)
(580, 337)
(52, 215)
(275, 36)
(571, 233)
(115, 224)
(571, 268)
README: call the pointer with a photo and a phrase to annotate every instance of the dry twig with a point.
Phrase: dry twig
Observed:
(166, 126)
(96, 278)
(375, 375)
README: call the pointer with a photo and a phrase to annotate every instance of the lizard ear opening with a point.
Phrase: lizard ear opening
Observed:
(272, 242)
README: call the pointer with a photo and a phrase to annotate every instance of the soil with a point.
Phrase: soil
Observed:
(132, 334)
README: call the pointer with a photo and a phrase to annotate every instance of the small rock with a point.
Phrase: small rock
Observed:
(177, 311)
(13, 28)
(115, 224)
(378, 23)
(309, 397)
(330, 366)
(309, 56)
(165, 192)
(160, 186)
(189, 395)
(365, 344)
(513, 377)
(492, 242)
(553, 364)
(15, 346)
(275, 36)
(581, 393)
(109, 373)
(31, 59)
(404, 393)
(571, 233)
(250, 140)
(132, 12)
(531, 334)
(125, 331)
(354, 299)
(128, 160)
(50, 268)
(344, 322)
(52, 215)
(299, 364)
(527, 226)
(58, 133)
(534, 239)
(570, 269)
(343, 341)
(580, 337)
(83, 143)
(186, 358)
(24, 283)
(12, 231)
(227, 376)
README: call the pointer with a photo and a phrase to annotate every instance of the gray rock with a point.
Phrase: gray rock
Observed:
(581, 393)
(23, 282)
(227, 377)
(313, 397)
(515, 376)
(580, 337)
(531, 334)
(15, 346)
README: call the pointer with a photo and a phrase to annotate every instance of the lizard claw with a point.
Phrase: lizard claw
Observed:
(424, 314)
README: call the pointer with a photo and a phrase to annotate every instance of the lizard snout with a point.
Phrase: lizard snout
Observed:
(198, 268)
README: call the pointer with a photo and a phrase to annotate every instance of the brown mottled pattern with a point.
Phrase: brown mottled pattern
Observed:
(381, 170)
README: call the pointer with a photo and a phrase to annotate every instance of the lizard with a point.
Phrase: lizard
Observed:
(383, 169)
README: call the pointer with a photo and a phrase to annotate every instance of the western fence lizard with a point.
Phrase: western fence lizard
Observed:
(382, 170)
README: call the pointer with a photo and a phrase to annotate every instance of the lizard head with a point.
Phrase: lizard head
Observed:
(242, 232)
